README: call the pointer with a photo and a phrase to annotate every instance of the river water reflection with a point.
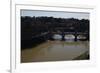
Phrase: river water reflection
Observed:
(54, 51)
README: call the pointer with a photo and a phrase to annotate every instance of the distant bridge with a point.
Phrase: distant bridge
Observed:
(49, 35)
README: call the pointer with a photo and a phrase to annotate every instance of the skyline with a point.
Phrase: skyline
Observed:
(56, 14)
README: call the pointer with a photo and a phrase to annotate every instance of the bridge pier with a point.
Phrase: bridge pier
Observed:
(63, 36)
(50, 35)
(75, 36)
(87, 36)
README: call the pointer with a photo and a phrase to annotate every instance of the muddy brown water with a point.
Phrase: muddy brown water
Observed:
(54, 51)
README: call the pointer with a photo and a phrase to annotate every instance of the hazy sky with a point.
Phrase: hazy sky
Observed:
(59, 14)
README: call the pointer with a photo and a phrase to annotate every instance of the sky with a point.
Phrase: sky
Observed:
(59, 14)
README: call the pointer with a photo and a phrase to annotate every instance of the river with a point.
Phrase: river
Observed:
(55, 50)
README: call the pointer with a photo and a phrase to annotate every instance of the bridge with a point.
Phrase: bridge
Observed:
(49, 35)
(36, 39)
